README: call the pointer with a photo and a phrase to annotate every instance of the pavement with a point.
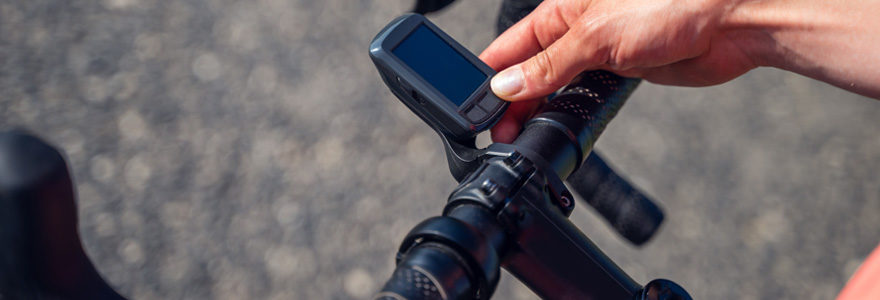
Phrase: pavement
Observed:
(249, 150)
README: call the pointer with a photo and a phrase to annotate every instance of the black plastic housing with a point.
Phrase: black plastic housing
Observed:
(432, 106)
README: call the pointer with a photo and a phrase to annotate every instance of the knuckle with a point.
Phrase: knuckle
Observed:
(543, 69)
(550, 24)
(617, 59)
(598, 42)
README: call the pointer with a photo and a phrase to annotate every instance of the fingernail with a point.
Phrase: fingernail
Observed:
(509, 82)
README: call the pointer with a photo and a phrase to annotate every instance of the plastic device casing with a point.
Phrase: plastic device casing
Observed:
(423, 98)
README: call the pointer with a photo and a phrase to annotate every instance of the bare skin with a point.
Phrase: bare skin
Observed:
(682, 42)
(689, 43)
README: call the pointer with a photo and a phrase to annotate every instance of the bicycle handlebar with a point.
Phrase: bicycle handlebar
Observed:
(558, 140)
(429, 271)
(626, 209)
(565, 130)
(582, 111)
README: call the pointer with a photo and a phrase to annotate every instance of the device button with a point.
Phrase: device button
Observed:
(489, 103)
(475, 114)
(415, 95)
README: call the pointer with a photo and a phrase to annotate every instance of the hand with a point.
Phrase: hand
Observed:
(677, 42)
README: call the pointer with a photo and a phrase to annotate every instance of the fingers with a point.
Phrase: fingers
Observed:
(529, 46)
(511, 47)
(550, 69)
(508, 128)
(527, 37)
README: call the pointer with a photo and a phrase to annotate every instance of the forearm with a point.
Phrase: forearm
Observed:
(833, 41)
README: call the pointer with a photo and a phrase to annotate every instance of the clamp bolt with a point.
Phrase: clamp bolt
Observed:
(489, 186)
(565, 201)
(513, 158)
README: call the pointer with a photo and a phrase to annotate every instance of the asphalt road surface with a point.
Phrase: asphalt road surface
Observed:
(249, 150)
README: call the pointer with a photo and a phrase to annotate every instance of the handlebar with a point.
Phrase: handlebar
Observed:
(563, 135)
(510, 209)
(581, 112)
(565, 130)
(557, 140)
(429, 271)
(626, 209)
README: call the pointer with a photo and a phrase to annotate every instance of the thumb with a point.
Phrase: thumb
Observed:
(547, 71)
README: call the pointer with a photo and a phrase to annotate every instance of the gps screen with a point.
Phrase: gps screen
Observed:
(439, 64)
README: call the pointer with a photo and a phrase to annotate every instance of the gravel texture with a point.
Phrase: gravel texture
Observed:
(248, 150)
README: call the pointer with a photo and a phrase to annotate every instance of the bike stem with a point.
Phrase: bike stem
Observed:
(511, 210)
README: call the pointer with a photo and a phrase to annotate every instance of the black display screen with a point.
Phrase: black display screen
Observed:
(439, 64)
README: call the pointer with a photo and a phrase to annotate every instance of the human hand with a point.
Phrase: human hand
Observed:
(667, 42)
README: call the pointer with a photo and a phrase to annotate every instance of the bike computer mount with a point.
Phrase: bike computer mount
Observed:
(442, 82)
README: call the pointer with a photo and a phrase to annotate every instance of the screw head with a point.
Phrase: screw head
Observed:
(565, 200)
(513, 158)
(488, 186)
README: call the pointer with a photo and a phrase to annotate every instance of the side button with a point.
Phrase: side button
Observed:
(475, 114)
(489, 103)
(415, 95)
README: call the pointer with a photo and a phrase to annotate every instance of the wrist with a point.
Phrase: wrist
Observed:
(832, 41)
(753, 24)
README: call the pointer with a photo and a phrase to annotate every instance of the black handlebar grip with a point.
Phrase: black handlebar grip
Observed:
(41, 254)
(512, 11)
(564, 131)
(429, 271)
(629, 211)
(594, 97)
(424, 7)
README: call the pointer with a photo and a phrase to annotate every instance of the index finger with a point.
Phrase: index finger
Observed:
(516, 44)
(527, 37)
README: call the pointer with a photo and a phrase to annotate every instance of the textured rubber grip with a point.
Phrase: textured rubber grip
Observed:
(409, 283)
(629, 211)
(430, 271)
(594, 97)
(564, 131)
(588, 103)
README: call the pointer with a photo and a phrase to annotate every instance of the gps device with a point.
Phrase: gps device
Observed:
(437, 78)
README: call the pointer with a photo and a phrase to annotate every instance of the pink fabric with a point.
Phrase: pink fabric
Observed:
(865, 283)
